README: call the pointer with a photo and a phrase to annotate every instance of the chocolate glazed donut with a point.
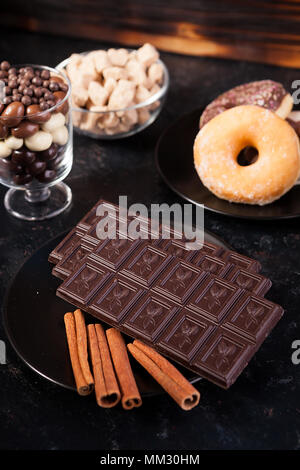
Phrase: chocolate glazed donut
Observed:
(265, 93)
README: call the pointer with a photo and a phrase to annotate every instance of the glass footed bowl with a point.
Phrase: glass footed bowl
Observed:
(36, 155)
(133, 119)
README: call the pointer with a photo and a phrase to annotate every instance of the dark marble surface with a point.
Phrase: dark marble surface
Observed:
(262, 410)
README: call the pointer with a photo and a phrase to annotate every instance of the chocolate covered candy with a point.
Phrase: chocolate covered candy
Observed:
(3, 130)
(5, 151)
(37, 168)
(58, 97)
(39, 141)
(34, 114)
(49, 154)
(23, 156)
(12, 114)
(25, 129)
(46, 176)
(22, 179)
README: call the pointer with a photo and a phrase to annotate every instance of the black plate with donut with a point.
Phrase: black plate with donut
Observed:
(175, 163)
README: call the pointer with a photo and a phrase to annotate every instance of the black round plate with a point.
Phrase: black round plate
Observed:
(174, 160)
(33, 322)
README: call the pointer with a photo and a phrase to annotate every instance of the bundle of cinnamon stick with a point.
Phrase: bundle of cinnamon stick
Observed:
(110, 374)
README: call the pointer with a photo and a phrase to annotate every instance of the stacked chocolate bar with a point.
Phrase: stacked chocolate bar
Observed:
(203, 308)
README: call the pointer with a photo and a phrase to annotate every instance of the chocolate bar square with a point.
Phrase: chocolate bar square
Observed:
(145, 264)
(150, 316)
(224, 356)
(114, 301)
(179, 280)
(185, 334)
(214, 299)
(83, 284)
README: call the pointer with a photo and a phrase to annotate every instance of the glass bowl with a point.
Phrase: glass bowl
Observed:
(36, 154)
(126, 121)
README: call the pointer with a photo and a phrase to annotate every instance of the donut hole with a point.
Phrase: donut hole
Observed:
(247, 156)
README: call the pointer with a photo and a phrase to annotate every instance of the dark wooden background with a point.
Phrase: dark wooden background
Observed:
(264, 31)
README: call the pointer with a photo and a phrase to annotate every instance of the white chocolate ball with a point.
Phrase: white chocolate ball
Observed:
(57, 120)
(39, 141)
(60, 135)
(5, 151)
(13, 142)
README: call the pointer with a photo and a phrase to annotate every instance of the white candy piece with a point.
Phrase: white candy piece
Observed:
(114, 72)
(101, 61)
(144, 115)
(5, 151)
(108, 120)
(122, 96)
(142, 94)
(97, 94)
(75, 59)
(130, 117)
(60, 135)
(156, 72)
(153, 91)
(109, 85)
(79, 96)
(84, 80)
(39, 141)
(13, 142)
(72, 71)
(118, 57)
(91, 119)
(137, 73)
(88, 66)
(147, 54)
(56, 120)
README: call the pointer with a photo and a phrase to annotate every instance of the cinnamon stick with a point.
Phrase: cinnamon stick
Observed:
(82, 347)
(82, 386)
(172, 381)
(106, 386)
(130, 394)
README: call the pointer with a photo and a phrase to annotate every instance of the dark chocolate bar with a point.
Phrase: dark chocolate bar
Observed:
(253, 282)
(86, 231)
(203, 321)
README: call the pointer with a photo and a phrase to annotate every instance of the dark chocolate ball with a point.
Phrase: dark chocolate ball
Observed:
(23, 156)
(44, 106)
(28, 91)
(49, 154)
(7, 100)
(38, 92)
(47, 176)
(23, 178)
(45, 74)
(5, 65)
(37, 81)
(37, 167)
(16, 168)
(17, 96)
(53, 86)
(26, 100)
(12, 83)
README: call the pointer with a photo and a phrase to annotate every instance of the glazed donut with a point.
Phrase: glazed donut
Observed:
(266, 93)
(219, 142)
